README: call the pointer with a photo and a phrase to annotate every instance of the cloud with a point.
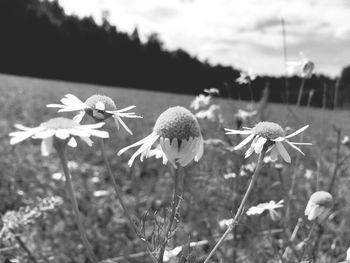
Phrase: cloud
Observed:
(242, 33)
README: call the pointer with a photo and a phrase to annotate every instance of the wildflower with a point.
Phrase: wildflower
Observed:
(348, 255)
(230, 175)
(99, 107)
(272, 135)
(211, 91)
(179, 137)
(170, 254)
(308, 173)
(224, 223)
(270, 206)
(246, 77)
(245, 115)
(58, 129)
(319, 206)
(302, 68)
(200, 101)
(212, 114)
(345, 140)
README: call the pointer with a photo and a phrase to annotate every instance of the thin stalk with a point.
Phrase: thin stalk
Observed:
(121, 201)
(241, 207)
(24, 247)
(336, 162)
(174, 209)
(307, 240)
(301, 90)
(62, 155)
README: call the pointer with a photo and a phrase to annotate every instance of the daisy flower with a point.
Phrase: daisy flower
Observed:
(179, 137)
(58, 129)
(270, 206)
(319, 206)
(200, 101)
(246, 77)
(269, 133)
(302, 68)
(99, 107)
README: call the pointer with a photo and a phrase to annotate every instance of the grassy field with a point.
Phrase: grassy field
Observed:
(209, 196)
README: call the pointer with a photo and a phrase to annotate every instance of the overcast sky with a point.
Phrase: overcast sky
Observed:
(245, 34)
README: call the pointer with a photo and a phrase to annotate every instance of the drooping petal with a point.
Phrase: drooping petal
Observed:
(274, 153)
(147, 144)
(244, 142)
(283, 152)
(78, 118)
(144, 140)
(87, 140)
(72, 142)
(199, 152)
(126, 109)
(229, 131)
(122, 123)
(294, 147)
(46, 146)
(297, 132)
(259, 144)
(44, 134)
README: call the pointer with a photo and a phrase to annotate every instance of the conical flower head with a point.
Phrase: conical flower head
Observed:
(179, 137)
(319, 206)
(59, 123)
(268, 130)
(177, 123)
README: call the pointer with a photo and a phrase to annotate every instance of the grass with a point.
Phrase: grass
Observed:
(208, 198)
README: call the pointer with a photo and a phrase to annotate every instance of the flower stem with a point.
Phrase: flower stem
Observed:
(24, 247)
(117, 190)
(301, 90)
(174, 209)
(62, 155)
(307, 240)
(241, 207)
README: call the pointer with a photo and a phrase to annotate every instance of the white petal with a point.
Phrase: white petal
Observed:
(93, 126)
(97, 133)
(229, 131)
(87, 140)
(259, 144)
(45, 134)
(145, 146)
(126, 109)
(166, 147)
(294, 147)
(22, 135)
(283, 152)
(46, 146)
(122, 123)
(200, 150)
(72, 142)
(301, 143)
(274, 153)
(144, 140)
(78, 118)
(62, 134)
(244, 142)
(279, 139)
(297, 132)
(186, 154)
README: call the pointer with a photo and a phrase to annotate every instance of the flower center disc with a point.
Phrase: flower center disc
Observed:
(107, 101)
(177, 122)
(268, 130)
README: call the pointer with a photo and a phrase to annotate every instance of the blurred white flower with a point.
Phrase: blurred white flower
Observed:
(170, 254)
(271, 134)
(58, 129)
(319, 206)
(101, 193)
(58, 177)
(270, 206)
(224, 223)
(345, 140)
(348, 255)
(246, 77)
(179, 137)
(308, 173)
(99, 107)
(212, 114)
(230, 175)
(200, 101)
(245, 115)
(302, 68)
(211, 91)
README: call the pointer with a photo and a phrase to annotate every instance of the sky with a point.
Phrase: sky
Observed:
(245, 34)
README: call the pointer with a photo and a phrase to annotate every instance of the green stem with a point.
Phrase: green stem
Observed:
(241, 207)
(174, 209)
(301, 90)
(307, 240)
(62, 155)
(121, 201)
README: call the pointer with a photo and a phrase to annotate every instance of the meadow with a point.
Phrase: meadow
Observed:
(212, 188)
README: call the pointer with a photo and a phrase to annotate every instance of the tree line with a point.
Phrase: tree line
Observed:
(39, 39)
